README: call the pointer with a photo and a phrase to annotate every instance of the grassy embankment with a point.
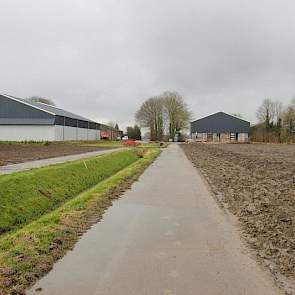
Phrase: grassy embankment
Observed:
(108, 143)
(104, 143)
(42, 213)
(153, 144)
(25, 196)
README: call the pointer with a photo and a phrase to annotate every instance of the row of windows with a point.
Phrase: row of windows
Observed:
(65, 121)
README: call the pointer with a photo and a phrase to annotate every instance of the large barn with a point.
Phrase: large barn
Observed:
(220, 127)
(21, 120)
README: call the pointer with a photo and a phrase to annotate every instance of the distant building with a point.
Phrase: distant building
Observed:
(110, 133)
(220, 127)
(21, 120)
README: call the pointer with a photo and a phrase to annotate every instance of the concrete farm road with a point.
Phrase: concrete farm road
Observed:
(165, 236)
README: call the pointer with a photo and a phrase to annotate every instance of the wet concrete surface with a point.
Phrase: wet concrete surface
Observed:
(12, 168)
(165, 236)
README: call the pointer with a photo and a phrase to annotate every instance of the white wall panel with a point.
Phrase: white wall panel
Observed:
(70, 133)
(46, 133)
(92, 134)
(27, 132)
(59, 133)
(243, 137)
(82, 134)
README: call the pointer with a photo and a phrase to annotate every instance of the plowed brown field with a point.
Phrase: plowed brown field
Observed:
(256, 182)
(19, 153)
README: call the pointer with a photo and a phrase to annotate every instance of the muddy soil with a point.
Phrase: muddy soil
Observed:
(19, 153)
(256, 182)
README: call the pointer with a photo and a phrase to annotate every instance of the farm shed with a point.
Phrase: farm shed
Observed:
(110, 133)
(220, 127)
(21, 120)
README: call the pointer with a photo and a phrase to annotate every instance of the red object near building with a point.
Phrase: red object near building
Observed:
(104, 135)
(130, 142)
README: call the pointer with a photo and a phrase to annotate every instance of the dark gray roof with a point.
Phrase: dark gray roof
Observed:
(220, 123)
(16, 112)
(50, 109)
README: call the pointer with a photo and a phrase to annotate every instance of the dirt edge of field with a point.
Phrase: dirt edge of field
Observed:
(285, 280)
(14, 153)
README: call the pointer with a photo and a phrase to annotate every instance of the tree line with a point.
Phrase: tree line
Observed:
(276, 122)
(165, 114)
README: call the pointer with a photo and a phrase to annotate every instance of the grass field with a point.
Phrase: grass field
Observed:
(104, 143)
(52, 220)
(25, 196)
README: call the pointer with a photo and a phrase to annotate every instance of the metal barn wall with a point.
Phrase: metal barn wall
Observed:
(27, 133)
(14, 112)
(21, 120)
(59, 133)
(93, 134)
(82, 134)
(220, 123)
(66, 133)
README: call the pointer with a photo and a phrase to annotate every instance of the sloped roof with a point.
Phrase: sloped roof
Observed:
(53, 110)
(220, 123)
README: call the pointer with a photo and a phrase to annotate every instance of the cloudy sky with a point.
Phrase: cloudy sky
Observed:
(103, 58)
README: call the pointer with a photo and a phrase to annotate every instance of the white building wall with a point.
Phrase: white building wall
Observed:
(59, 133)
(82, 134)
(201, 136)
(243, 137)
(46, 133)
(70, 133)
(27, 133)
(92, 134)
(64, 133)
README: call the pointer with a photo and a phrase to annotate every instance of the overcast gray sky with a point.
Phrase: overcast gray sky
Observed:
(102, 58)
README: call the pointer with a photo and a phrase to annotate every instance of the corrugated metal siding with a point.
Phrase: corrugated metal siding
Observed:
(17, 111)
(13, 112)
(220, 123)
(59, 112)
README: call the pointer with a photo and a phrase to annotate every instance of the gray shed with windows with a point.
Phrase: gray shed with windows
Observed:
(21, 120)
(220, 127)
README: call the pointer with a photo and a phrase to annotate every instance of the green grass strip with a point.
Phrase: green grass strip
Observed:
(26, 196)
(27, 254)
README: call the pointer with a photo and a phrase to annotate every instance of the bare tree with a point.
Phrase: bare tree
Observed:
(150, 115)
(176, 112)
(289, 117)
(279, 122)
(277, 111)
(41, 99)
(265, 112)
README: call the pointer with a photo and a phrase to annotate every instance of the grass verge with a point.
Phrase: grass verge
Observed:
(104, 143)
(25, 196)
(154, 144)
(29, 253)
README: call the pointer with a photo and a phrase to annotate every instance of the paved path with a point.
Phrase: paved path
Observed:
(8, 169)
(165, 236)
